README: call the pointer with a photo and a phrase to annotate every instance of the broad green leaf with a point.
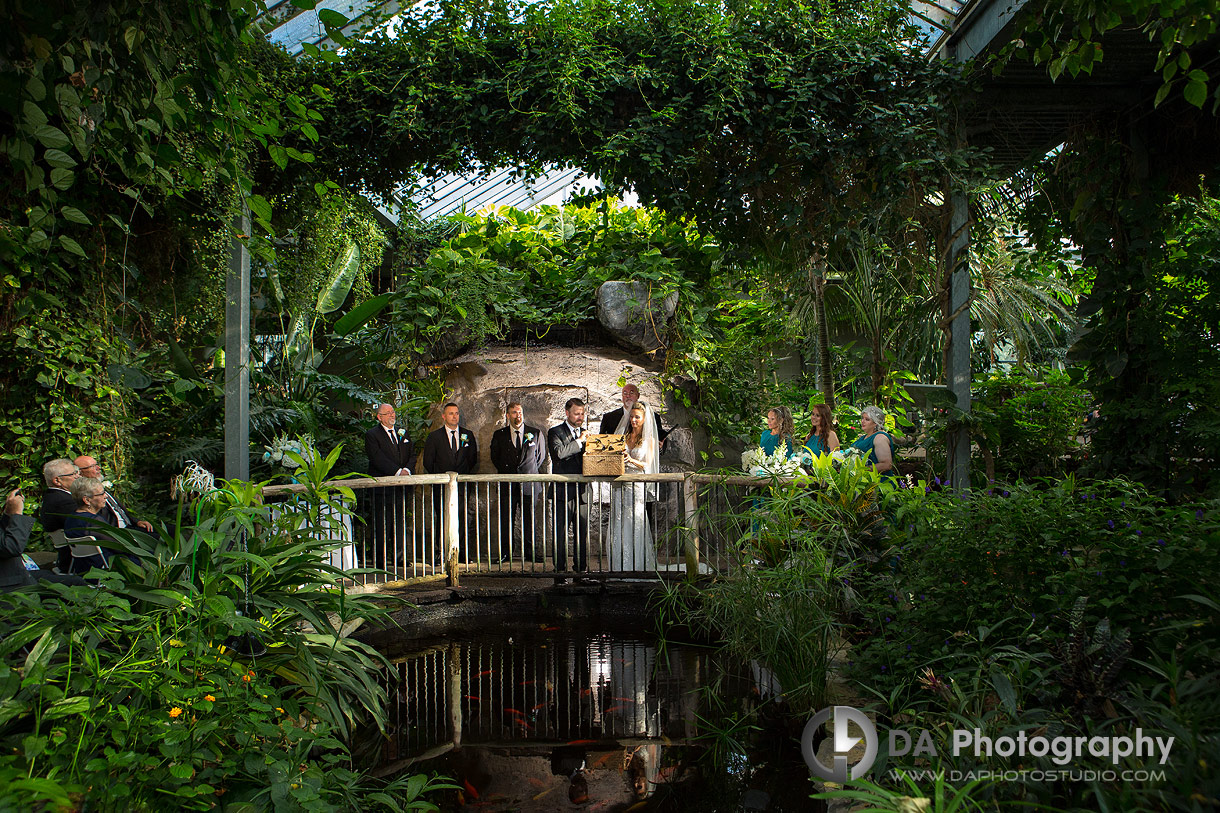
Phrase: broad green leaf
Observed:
(73, 246)
(66, 706)
(1195, 93)
(339, 282)
(74, 215)
(50, 136)
(259, 206)
(358, 316)
(59, 158)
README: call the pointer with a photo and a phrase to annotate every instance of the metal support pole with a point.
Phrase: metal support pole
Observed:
(237, 354)
(959, 333)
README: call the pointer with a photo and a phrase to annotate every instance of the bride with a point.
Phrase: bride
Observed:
(631, 546)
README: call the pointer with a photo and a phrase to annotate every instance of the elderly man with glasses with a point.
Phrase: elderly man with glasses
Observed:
(114, 512)
(57, 503)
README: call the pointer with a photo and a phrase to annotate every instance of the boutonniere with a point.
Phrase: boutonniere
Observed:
(529, 435)
(465, 438)
(401, 433)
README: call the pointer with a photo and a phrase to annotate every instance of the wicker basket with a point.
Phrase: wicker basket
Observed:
(604, 455)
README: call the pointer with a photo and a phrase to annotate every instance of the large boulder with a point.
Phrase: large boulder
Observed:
(632, 316)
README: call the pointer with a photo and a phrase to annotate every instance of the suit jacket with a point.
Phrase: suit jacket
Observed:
(56, 505)
(438, 457)
(611, 420)
(509, 460)
(385, 456)
(113, 509)
(14, 533)
(567, 454)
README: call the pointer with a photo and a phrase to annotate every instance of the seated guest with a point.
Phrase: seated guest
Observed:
(90, 496)
(57, 504)
(14, 534)
(114, 511)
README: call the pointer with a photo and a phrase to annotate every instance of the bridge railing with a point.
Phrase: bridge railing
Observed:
(439, 526)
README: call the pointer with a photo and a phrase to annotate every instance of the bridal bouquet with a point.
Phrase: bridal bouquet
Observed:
(277, 452)
(760, 464)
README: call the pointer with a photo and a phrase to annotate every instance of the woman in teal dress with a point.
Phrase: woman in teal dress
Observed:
(780, 430)
(822, 437)
(878, 443)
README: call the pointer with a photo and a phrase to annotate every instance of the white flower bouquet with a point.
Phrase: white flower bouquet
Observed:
(760, 464)
(277, 452)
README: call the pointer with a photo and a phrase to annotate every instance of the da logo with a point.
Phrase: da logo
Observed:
(843, 743)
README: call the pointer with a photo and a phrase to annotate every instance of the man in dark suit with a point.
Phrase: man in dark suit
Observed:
(114, 511)
(611, 420)
(517, 449)
(566, 443)
(451, 448)
(391, 454)
(57, 503)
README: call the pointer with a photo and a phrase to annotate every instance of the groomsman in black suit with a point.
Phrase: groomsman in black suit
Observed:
(451, 448)
(391, 454)
(566, 443)
(517, 449)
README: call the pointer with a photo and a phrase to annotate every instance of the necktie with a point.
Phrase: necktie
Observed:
(453, 441)
(393, 438)
(517, 439)
(119, 518)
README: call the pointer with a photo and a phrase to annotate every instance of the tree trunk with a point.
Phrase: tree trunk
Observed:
(825, 378)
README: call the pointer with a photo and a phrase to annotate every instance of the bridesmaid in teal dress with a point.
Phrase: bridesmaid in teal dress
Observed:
(876, 441)
(822, 437)
(780, 429)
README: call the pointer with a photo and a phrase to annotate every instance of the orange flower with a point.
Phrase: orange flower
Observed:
(175, 711)
(246, 678)
(209, 698)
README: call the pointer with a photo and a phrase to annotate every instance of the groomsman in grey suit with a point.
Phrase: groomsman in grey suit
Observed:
(518, 448)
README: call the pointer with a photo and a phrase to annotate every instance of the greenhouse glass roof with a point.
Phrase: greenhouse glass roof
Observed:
(293, 28)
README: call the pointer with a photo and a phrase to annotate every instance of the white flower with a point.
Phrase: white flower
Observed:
(465, 437)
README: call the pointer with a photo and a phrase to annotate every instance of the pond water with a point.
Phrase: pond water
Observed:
(570, 709)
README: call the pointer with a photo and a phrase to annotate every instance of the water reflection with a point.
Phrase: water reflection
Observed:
(525, 714)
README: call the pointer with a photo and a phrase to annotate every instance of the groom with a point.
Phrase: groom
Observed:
(566, 443)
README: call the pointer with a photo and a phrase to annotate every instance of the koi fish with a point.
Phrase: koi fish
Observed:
(583, 742)
(471, 697)
(544, 793)
(524, 724)
(539, 706)
(619, 707)
(484, 672)
(527, 683)
(515, 711)
(549, 629)
(469, 788)
(538, 783)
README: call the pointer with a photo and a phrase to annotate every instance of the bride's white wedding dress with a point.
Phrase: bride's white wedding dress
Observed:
(631, 543)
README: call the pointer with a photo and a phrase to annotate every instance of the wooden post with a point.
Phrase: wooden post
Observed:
(690, 525)
(237, 353)
(453, 664)
(452, 529)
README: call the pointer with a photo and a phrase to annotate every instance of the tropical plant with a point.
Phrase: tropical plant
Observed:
(209, 663)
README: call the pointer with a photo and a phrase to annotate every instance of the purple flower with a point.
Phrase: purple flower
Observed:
(1110, 523)
(1139, 532)
(1160, 541)
(1198, 513)
(1005, 493)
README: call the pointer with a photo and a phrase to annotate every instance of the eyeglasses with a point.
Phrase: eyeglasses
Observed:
(99, 494)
